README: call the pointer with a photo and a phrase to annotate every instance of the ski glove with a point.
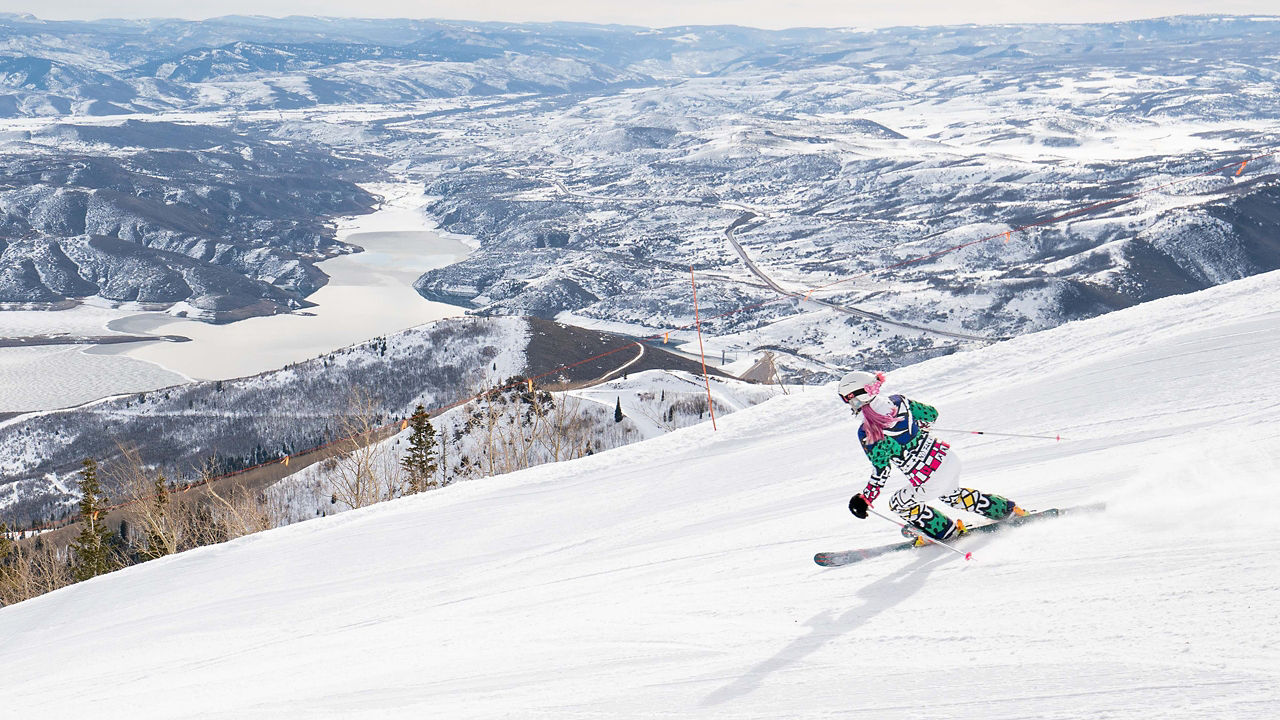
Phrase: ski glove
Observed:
(858, 506)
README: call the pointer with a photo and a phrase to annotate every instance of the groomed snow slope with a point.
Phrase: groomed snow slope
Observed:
(673, 578)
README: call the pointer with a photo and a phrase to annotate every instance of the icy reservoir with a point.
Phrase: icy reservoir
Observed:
(368, 294)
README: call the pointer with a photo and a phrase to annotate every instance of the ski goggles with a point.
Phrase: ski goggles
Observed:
(855, 395)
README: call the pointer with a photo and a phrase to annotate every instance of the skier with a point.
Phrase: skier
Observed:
(895, 429)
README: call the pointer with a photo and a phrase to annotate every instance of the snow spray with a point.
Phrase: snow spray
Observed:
(966, 555)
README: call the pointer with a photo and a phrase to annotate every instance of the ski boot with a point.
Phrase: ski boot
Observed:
(930, 526)
(1000, 508)
(992, 507)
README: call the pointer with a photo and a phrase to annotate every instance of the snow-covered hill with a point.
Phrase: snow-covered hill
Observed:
(593, 165)
(512, 430)
(163, 213)
(673, 577)
(238, 423)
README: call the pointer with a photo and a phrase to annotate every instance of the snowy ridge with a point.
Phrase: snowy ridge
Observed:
(259, 418)
(673, 577)
(654, 402)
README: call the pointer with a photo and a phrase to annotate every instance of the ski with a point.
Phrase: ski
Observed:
(847, 557)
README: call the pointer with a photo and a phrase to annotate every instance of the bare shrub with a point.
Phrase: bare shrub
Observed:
(240, 512)
(149, 506)
(366, 471)
(33, 569)
(568, 431)
(197, 524)
(520, 427)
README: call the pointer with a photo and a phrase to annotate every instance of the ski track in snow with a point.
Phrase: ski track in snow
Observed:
(674, 577)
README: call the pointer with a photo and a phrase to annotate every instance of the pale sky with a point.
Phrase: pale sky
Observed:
(665, 13)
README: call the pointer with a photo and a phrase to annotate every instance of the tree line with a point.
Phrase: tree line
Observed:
(502, 431)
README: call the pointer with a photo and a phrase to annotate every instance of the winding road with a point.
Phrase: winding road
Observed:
(755, 270)
(746, 217)
(620, 368)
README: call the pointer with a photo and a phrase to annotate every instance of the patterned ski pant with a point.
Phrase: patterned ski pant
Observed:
(943, 485)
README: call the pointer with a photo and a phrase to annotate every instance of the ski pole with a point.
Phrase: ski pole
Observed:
(966, 555)
(986, 432)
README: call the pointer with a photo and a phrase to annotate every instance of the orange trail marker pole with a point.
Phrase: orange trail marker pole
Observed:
(1242, 164)
(698, 324)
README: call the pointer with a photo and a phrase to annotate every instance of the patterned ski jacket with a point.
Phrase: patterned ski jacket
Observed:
(907, 444)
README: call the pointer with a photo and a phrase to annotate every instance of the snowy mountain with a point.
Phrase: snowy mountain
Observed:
(113, 67)
(226, 426)
(160, 213)
(675, 577)
(595, 164)
(854, 168)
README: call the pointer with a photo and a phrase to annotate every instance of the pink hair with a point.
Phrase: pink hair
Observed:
(873, 422)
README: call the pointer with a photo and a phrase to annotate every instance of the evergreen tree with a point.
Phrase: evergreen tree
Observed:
(420, 462)
(92, 545)
(617, 411)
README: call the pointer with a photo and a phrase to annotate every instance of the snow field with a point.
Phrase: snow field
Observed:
(81, 376)
(27, 377)
(673, 577)
(83, 319)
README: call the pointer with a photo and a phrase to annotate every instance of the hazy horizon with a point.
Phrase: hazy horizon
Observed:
(662, 13)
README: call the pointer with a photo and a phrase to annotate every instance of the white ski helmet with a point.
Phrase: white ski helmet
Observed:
(859, 386)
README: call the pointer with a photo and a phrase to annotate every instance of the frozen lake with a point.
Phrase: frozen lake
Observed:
(369, 294)
(54, 376)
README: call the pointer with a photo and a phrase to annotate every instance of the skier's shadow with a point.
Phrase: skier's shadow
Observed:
(879, 596)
